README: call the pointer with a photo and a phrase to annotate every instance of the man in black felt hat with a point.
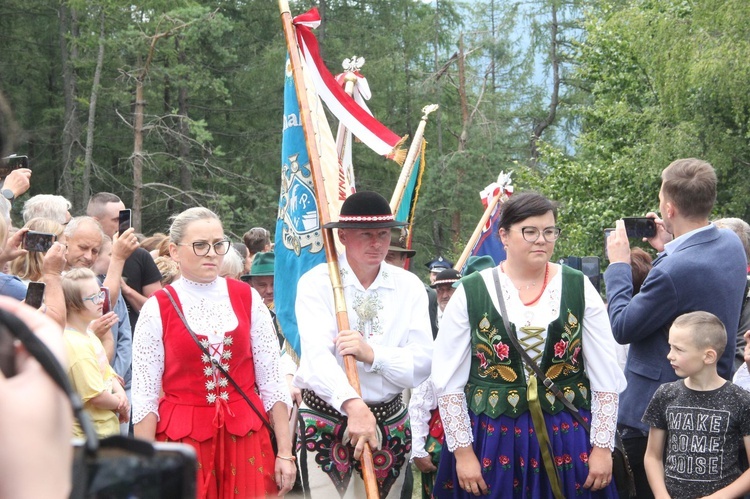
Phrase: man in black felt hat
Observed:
(389, 337)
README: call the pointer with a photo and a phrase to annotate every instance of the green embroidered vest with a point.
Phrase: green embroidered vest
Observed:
(497, 379)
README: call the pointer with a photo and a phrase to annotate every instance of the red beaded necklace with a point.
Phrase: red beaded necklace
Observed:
(544, 284)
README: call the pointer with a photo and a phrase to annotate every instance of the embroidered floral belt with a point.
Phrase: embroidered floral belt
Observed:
(382, 411)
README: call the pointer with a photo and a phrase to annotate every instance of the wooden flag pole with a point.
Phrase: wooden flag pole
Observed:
(350, 67)
(411, 158)
(342, 319)
(482, 221)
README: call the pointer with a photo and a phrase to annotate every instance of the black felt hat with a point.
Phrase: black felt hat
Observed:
(447, 276)
(365, 210)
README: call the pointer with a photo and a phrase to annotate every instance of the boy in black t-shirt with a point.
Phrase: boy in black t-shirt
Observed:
(700, 420)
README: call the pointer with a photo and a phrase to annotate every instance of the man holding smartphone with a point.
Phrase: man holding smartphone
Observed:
(14, 185)
(699, 267)
(140, 274)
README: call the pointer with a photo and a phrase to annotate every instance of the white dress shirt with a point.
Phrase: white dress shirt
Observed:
(392, 315)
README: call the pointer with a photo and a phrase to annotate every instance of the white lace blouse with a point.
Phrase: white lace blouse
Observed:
(452, 356)
(209, 312)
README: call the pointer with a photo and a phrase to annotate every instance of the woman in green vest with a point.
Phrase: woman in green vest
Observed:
(488, 402)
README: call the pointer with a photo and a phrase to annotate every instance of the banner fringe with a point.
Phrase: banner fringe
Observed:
(399, 151)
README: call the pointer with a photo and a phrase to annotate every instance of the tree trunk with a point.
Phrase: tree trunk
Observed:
(321, 30)
(140, 106)
(88, 161)
(71, 136)
(438, 117)
(186, 176)
(554, 98)
(464, 137)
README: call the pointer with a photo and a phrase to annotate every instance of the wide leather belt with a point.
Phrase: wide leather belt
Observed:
(382, 411)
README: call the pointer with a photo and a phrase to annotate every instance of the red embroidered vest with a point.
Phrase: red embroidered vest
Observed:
(196, 398)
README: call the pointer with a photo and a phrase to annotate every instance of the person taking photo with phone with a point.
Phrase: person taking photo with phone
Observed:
(699, 268)
(140, 275)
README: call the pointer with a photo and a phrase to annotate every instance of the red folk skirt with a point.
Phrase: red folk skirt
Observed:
(232, 466)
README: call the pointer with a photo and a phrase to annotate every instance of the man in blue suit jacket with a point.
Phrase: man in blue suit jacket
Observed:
(699, 267)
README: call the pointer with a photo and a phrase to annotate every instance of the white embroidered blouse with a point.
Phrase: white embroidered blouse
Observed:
(452, 356)
(209, 312)
(392, 315)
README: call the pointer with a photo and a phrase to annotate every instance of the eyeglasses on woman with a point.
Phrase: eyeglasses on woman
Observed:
(201, 248)
(531, 234)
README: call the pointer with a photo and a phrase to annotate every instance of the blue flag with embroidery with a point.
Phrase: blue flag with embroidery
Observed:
(299, 238)
(489, 241)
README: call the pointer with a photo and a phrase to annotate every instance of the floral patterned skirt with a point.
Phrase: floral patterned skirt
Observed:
(231, 466)
(508, 452)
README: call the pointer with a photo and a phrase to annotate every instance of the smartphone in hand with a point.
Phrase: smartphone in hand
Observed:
(640, 227)
(607, 232)
(106, 304)
(35, 294)
(40, 242)
(124, 220)
(13, 162)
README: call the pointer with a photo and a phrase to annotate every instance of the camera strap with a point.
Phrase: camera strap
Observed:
(216, 363)
(52, 367)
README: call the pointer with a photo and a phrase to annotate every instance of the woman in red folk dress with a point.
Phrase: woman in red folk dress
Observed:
(199, 405)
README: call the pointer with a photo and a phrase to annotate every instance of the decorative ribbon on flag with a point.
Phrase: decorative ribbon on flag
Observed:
(489, 242)
(362, 124)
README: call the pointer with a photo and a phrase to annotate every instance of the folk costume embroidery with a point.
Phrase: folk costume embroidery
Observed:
(324, 434)
(492, 413)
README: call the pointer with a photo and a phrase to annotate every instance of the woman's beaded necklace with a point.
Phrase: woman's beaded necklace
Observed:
(541, 291)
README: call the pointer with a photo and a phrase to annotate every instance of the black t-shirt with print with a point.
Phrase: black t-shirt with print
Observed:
(704, 432)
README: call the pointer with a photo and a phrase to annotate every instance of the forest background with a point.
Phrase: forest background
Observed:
(177, 103)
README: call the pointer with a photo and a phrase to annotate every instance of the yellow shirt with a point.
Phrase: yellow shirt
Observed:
(90, 378)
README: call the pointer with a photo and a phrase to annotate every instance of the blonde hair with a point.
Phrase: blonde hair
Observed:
(168, 268)
(71, 284)
(180, 222)
(29, 266)
(706, 330)
(233, 264)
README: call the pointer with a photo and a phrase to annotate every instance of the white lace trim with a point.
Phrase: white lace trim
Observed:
(209, 312)
(455, 415)
(604, 419)
(421, 404)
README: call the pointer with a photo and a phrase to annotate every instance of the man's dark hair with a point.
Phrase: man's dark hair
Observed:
(256, 239)
(98, 201)
(690, 184)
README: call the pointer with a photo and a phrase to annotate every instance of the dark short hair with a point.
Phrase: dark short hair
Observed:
(524, 205)
(256, 239)
(706, 329)
(691, 185)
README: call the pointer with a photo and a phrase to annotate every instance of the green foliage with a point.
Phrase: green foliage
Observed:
(643, 82)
